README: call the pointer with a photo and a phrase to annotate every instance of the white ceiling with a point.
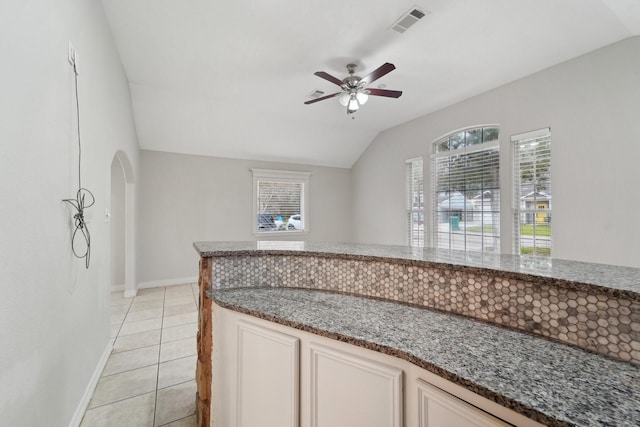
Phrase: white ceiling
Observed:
(229, 78)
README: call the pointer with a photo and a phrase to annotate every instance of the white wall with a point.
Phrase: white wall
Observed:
(185, 198)
(117, 225)
(591, 104)
(54, 314)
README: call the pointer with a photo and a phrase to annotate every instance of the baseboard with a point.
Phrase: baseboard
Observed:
(130, 294)
(116, 288)
(86, 397)
(167, 282)
(160, 284)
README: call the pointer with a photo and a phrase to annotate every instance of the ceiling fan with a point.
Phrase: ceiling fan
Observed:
(354, 91)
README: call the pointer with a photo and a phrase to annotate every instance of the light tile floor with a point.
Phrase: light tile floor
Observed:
(149, 379)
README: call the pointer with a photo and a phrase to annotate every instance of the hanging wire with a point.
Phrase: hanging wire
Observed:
(84, 198)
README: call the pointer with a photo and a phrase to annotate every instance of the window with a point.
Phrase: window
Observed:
(415, 202)
(466, 190)
(532, 193)
(280, 201)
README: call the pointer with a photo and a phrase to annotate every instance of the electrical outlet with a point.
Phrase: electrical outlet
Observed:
(72, 56)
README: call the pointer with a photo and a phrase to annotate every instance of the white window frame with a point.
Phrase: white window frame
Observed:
(281, 176)
(435, 155)
(518, 210)
(410, 208)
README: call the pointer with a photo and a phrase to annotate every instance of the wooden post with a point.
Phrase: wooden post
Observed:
(204, 344)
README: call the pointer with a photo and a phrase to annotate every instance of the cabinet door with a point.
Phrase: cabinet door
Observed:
(268, 378)
(348, 390)
(441, 409)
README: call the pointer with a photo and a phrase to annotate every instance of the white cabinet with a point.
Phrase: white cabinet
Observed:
(348, 390)
(440, 409)
(269, 375)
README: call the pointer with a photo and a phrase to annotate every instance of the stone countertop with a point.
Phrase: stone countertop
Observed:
(550, 382)
(616, 280)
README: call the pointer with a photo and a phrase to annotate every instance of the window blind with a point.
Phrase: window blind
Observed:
(532, 193)
(280, 201)
(466, 191)
(415, 201)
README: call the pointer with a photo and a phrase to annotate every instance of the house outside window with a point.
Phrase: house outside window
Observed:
(415, 201)
(532, 193)
(466, 190)
(280, 202)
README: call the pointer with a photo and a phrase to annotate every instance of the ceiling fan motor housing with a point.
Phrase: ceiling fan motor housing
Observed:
(351, 81)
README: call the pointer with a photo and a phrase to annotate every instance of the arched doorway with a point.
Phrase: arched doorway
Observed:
(123, 214)
(117, 219)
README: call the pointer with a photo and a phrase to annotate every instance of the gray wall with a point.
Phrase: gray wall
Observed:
(591, 103)
(54, 313)
(186, 198)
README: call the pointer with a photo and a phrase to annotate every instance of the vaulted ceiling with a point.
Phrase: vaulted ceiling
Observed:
(229, 78)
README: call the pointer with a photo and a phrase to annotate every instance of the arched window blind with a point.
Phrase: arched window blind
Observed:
(466, 191)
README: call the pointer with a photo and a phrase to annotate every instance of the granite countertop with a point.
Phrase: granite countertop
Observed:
(616, 280)
(550, 382)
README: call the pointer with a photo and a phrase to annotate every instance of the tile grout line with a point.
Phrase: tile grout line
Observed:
(174, 385)
(122, 323)
(130, 303)
(137, 348)
(128, 370)
(118, 400)
(180, 419)
(151, 345)
(118, 335)
(155, 404)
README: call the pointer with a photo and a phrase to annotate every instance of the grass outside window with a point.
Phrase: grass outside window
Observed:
(525, 229)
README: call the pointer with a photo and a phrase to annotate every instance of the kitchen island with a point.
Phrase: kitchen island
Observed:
(555, 341)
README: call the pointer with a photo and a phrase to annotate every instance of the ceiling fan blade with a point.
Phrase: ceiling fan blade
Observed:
(382, 70)
(328, 77)
(385, 92)
(323, 98)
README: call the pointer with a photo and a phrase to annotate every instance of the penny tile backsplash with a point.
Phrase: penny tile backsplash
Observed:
(592, 319)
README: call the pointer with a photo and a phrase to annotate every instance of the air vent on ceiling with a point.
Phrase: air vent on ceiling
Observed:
(408, 19)
(315, 94)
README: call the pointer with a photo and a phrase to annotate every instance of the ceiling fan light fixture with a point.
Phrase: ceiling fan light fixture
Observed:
(356, 99)
(362, 98)
(344, 99)
(353, 104)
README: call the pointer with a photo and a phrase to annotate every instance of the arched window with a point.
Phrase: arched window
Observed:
(466, 190)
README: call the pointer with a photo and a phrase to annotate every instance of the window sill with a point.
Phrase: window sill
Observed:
(281, 233)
